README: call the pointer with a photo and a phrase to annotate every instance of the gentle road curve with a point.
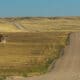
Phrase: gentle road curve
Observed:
(68, 66)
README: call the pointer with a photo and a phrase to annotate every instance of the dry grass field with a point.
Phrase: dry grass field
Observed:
(50, 24)
(33, 43)
(27, 54)
(39, 24)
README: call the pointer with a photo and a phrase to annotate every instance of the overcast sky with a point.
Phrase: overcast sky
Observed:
(39, 8)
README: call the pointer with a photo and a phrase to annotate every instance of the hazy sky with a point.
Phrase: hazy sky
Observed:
(39, 8)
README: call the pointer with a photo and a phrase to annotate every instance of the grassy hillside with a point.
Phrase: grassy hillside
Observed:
(27, 54)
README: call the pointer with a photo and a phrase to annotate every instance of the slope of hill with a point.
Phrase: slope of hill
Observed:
(67, 67)
(33, 43)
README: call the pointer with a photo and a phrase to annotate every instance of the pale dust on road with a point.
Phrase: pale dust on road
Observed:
(67, 67)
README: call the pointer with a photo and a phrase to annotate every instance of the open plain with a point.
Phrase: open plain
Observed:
(34, 43)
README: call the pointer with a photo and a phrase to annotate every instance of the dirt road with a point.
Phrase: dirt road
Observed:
(68, 66)
(17, 25)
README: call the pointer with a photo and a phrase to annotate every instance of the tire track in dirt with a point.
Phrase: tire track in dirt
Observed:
(18, 26)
